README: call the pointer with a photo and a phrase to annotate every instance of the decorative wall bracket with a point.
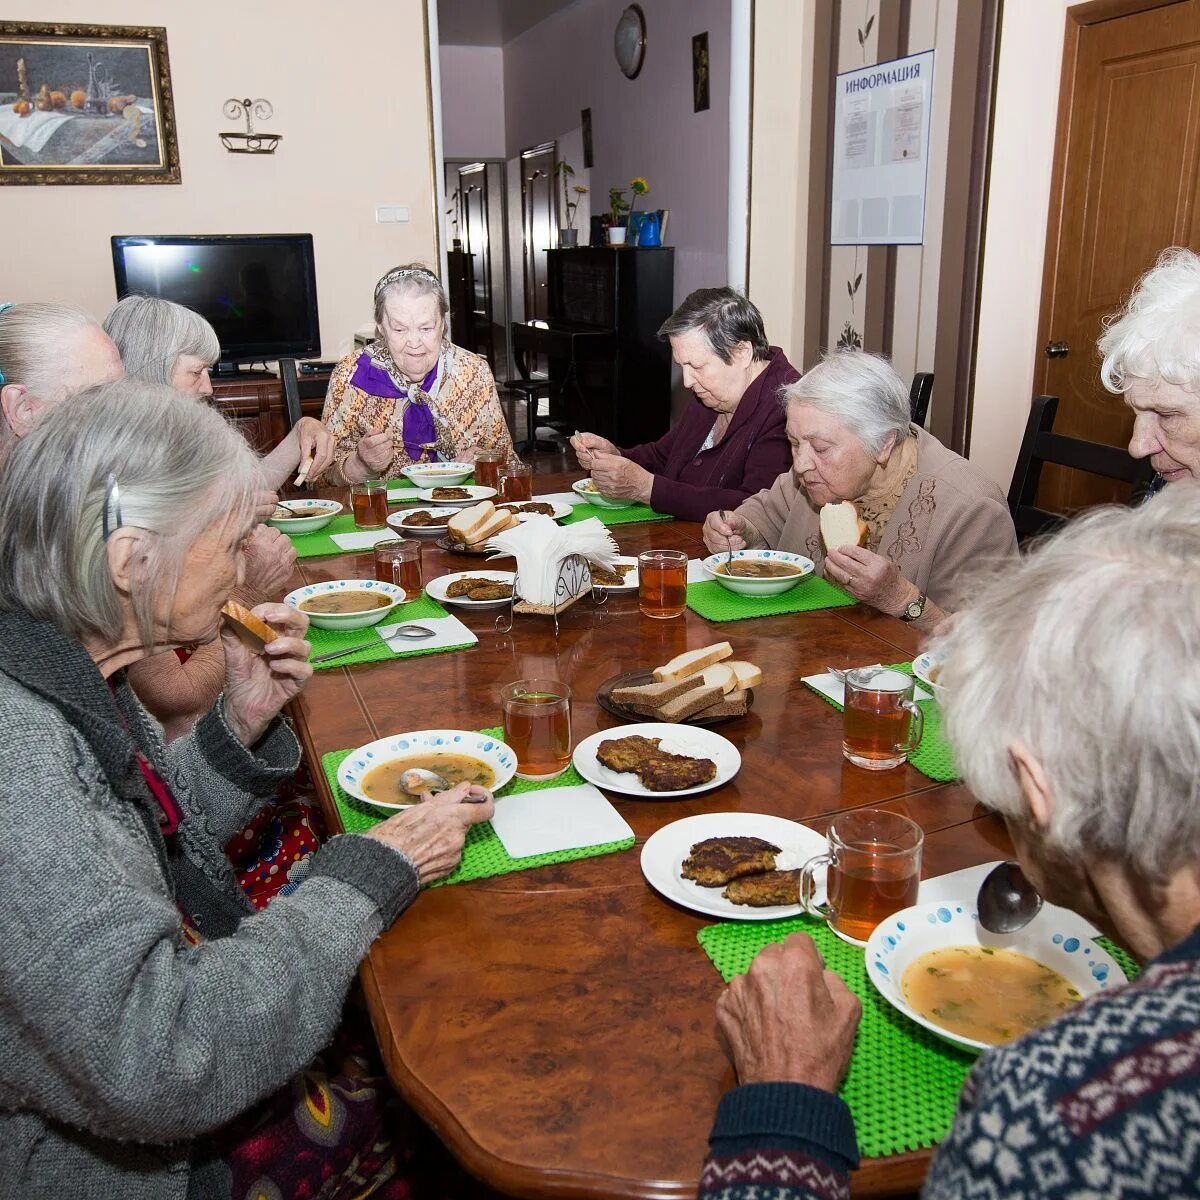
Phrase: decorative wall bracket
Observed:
(249, 142)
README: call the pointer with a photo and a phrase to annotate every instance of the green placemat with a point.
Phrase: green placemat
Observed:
(903, 1082)
(933, 757)
(325, 641)
(614, 516)
(321, 543)
(717, 603)
(484, 854)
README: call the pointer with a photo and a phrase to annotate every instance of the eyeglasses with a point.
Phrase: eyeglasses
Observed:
(112, 500)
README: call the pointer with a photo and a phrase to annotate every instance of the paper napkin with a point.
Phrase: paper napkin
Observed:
(447, 631)
(833, 689)
(552, 819)
(364, 540)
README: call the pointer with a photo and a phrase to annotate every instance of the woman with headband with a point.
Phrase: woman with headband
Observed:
(411, 395)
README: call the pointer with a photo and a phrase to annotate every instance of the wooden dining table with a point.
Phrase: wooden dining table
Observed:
(556, 1026)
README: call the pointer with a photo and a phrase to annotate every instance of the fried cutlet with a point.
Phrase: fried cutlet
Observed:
(614, 577)
(717, 860)
(766, 890)
(529, 506)
(471, 584)
(658, 770)
(450, 493)
(490, 591)
(418, 519)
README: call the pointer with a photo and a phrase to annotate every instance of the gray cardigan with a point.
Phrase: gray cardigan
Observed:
(121, 1044)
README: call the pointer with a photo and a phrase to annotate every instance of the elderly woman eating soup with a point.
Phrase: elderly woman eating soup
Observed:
(930, 515)
(730, 442)
(1099, 794)
(145, 1008)
(412, 395)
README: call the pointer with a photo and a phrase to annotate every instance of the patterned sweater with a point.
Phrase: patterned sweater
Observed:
(1103, 1102)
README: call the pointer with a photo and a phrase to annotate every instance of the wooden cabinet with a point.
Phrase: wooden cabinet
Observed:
(255, 406)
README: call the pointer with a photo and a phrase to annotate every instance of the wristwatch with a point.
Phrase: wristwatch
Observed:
(912, 612)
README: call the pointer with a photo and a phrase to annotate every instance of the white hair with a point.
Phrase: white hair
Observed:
(1088, 652)
(152, 335)
(412, 279)
(861, 390)
(179, 467)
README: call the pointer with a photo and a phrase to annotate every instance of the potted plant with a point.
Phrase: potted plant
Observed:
(617, 204)
(639, 187)
(569, 235)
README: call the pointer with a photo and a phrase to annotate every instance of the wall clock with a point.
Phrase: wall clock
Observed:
(629, 41)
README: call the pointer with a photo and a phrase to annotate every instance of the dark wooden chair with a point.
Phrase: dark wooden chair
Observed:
(533, 389)
(918, 397)
(296, 388)
(1041, 445)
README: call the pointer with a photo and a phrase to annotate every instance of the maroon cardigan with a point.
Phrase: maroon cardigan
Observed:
(690, 483)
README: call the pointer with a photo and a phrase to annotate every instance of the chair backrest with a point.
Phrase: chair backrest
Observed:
(918, 396)
(296, 389)
(1041, 445)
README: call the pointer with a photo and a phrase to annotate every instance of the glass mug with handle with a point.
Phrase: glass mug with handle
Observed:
(881, 723)
(874, 870)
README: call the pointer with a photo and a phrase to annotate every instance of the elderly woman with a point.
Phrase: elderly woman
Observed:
(1152, 354)
(47, 352)
(929, 513)
(1099, 796)
(411, 395)
(164, 342)
(730, 442)
(145, 1010)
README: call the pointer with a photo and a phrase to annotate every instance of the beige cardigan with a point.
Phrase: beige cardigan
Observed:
(949, 518)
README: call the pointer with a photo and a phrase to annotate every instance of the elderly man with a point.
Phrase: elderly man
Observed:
(1099, 793)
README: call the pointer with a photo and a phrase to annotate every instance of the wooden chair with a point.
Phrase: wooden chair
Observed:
(532, 389)
(918, 397)
(1040, 445)
(296, 388)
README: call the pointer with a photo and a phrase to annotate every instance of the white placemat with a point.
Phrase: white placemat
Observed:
(447, 631)
(563, 818)
(833, 688)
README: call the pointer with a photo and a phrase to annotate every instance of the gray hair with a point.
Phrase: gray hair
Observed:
(861, 390)
(1087, 651)
(179, 467)
(152, 335)
(727, 319)
(412, 279)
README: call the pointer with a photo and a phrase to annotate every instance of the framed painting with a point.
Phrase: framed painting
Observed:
(86, 104)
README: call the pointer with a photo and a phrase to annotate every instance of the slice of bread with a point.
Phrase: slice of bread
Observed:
(842, 526)
(464, 525)
(498, 522)
(746, 673)
(734, 704)
(691, 702)
(719, 675)
(645, 696)
(254, 631)
(692, 662)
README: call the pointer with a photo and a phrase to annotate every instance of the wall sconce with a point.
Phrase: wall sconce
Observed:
(249, 142)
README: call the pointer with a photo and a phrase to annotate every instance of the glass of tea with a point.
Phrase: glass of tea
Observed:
(874, 862)
(881, 723)
(516, 482)
(369, 500)
(537, 726)
(662, 583)
(489, 464)
(399, 562)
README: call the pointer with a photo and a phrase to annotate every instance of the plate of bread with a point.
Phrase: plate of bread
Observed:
(656, 760)
(700, 687)
(469, 529)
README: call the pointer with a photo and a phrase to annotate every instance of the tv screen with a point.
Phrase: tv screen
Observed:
(258, 291)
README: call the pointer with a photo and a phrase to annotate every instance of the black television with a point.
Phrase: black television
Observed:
(258, 291)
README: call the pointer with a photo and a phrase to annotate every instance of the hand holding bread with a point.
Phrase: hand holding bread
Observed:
(842, 526)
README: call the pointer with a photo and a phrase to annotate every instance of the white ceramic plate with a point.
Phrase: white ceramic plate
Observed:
(1055, 937)
(560, 509)
(677, 739)
(446, 474)
(586, 490)
(631, 579)
(437, 588)
(407, 745)
(396, 521)
(358, 620)
(426, 496)
(923, 664)
(758, 587)
(311, 515)
(664, 852)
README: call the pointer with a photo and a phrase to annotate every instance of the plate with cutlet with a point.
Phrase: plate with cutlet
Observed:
(657, 760)
(736, 866)
(473, 589)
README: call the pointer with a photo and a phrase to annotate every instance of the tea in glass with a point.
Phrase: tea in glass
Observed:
(488, 466)
(516, 482)
(399, 562)
(537, 726)
(369, 500)
(881, 723)
(662, 583)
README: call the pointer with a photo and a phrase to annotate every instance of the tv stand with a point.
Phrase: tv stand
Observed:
(234, 371)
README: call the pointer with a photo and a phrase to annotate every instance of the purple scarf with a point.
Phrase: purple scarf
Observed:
(417, 427)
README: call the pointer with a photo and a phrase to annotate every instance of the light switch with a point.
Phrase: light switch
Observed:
(388, 214)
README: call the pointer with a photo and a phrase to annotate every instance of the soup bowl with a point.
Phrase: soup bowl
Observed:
(587, 490)
(444, 474)
(424, 748)
(357, 618)
(747, 585)
(1056, 937)
(311, 515)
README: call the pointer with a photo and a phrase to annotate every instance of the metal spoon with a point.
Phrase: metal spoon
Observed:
(729, 541)
(414, 633)
(416, 780)
(1007, 901)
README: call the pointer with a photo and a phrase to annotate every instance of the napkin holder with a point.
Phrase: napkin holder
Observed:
(574, 581)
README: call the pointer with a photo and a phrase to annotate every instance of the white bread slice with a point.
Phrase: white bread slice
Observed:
(746, 674)
(498, 522)
(719, 675)
(842, 526)
(692, 662)
(465, 523)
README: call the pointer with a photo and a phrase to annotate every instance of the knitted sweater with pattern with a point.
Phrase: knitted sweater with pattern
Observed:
(1103, 1102)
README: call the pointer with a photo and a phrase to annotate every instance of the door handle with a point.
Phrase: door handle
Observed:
(1057, 349)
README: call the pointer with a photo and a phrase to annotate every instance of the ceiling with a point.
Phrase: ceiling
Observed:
(490, 22)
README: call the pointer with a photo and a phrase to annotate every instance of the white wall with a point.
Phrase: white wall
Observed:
(472, 101)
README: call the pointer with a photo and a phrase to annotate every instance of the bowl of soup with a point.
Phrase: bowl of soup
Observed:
(758, 572)
(442, 474)
(372, 772)
(346, 603)
(938, 966)
(303, 516)
(586, 489)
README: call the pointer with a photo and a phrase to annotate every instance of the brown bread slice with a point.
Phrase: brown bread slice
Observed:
(690, 702)
(733, 705)
(646, 695)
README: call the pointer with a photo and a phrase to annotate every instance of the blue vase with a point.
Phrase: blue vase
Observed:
(648, 230)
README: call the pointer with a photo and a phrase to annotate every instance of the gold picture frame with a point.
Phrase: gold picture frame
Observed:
(86, 104)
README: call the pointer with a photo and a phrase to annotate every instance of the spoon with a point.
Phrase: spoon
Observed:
(729, 541)
(413, 633)
(416, 780)
(1007, 901)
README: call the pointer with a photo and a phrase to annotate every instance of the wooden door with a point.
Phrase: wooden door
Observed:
(472, 182)
(1126, 172)
(539, 224)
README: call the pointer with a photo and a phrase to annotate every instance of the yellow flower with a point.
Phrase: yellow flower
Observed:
(639, 185)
